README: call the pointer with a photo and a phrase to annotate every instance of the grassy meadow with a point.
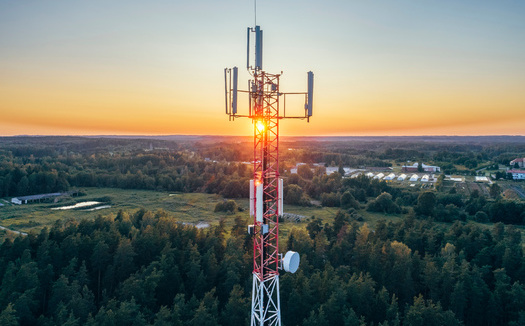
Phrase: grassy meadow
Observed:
(186, 207)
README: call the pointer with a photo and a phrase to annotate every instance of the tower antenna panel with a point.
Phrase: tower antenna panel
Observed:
(310, 97)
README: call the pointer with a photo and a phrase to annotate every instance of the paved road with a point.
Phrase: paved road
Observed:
(17, 232)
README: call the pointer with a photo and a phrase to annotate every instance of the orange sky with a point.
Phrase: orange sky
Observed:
(380, 68)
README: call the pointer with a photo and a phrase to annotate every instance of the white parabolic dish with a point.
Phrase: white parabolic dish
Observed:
(291, 261)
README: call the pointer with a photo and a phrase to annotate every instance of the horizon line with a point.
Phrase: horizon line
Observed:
(283, 136)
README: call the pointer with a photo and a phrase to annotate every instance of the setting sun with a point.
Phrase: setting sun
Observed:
(381, 68)
(260, 126)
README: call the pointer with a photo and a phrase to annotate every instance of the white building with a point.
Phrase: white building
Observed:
(414, 177)
(517, 174)
(426, 168)
(425, 178)
(294, 170)
(455, 178)
(16, 201)
(331, 169)
(35, 198)
(391, 176)
(379, 176)
(402, 177)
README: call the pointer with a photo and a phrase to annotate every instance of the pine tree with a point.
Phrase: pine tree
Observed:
(163, 317)
(99, 261)
(316, 319)
(8, 316)
(236, 310)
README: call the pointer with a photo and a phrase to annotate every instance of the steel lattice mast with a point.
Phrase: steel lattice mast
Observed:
(265, 290)
(266, 203)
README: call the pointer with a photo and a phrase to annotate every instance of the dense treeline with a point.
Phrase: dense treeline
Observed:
(59, 164)
(147, 269)
(51, 164)
(179, 171)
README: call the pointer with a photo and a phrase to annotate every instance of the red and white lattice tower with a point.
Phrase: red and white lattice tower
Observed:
(266, 200)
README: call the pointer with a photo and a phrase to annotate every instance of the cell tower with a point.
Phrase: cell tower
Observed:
(266, 188)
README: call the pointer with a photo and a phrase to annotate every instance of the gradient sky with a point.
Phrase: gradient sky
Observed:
(156, 67)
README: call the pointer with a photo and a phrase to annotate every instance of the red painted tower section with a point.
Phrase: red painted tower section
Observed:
(266, 172)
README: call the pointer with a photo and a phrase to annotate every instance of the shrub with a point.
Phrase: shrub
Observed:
(384, 204)
(330, 200)
(228, 206)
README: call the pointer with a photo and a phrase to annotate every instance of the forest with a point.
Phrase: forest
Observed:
(447, 259)
(147, 268)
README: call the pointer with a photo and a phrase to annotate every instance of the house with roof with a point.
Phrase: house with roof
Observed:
(426, 168)
(35, 198)
(519, 161)
(517, 174)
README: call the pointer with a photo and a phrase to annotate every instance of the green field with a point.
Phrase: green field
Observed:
(190, 208)
(185, 207)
